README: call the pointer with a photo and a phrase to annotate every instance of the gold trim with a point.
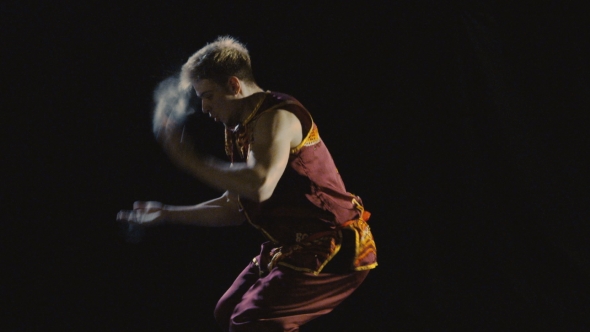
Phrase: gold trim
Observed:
(321, 267)
(312, 133)
(328, 259)
(362, 224)
(296, 268)
(255, 225)
(366, 267)
(249, 118)
(356, 234)
(336, 250)
(313, 130)
(312, 138)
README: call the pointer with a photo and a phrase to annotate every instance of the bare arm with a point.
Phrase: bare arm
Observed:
(275, 132)
(222, 211)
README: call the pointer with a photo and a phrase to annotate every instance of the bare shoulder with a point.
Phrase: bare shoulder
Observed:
(277, 117)
(279, 124)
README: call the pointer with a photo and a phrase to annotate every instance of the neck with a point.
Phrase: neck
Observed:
(252, 106)
(251, 97)
(247, 90)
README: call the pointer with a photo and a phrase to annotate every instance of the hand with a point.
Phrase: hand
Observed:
(144, 213)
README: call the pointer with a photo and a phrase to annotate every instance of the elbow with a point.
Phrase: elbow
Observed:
(261, 190)
(260, 195)
(264, 193)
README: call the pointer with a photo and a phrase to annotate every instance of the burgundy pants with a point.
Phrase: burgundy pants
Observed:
(282, 300)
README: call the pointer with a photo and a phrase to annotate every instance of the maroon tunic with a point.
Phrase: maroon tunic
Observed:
(310, 216)
(310, 221)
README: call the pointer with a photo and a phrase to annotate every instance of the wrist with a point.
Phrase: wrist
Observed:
(164, 214)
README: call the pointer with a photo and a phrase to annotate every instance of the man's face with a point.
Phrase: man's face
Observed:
(216, 100)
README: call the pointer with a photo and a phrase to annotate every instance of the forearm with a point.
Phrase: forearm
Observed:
(257, 178)
(222, 211)
(239, 178)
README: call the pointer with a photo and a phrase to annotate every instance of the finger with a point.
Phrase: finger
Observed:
(123, 215)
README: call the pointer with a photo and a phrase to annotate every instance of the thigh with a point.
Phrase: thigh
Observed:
(227, 303)
(285, 299)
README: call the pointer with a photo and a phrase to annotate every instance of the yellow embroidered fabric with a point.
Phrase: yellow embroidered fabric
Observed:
(312, 138)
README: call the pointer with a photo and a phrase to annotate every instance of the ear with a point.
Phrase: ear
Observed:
(234, 84)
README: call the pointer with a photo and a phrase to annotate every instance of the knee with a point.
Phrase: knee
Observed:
(261, 320)
(241, 321)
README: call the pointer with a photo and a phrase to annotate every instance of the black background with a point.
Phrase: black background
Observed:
(463, 126)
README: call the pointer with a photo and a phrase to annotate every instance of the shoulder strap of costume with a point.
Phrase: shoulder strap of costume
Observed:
(312, 134)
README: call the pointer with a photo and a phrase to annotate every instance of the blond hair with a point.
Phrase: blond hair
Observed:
(217, 61)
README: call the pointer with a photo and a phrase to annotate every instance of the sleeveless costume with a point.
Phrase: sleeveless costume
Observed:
(313, 225)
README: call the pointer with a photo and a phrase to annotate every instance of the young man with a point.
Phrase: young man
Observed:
(283, 181)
